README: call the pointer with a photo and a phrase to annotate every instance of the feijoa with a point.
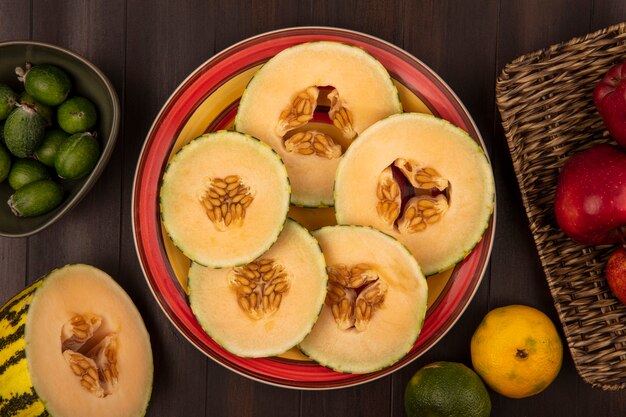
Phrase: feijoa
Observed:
(77, 115)
(5, 162)
(25, 171)
(8, 98)
(23, 131)
(77, 156)
(2, 134)
(44, 111)
(47, 83)
(36, 198)
(47, 151)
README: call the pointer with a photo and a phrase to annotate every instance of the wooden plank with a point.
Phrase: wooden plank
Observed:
(165, 41)
(230, 394)
(381, 19)
(15, 24)
(607, 12)
(367, 400)
(15, 21)
(446, 37)
(252, 18)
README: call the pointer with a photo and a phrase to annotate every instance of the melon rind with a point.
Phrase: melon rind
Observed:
(394, 327)
(39, 379)
(433, 142)
(214, 302)
(220, 154)
(362, 81)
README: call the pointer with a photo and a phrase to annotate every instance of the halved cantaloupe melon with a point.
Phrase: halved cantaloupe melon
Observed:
(375, 305)
(73, 345)
(280, 100)
(224, 199)
(267, 306)
(422, 180)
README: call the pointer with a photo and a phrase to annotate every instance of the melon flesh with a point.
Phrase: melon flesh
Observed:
(395, 324)
(44, 378)
(363, 84)
(189, 174)
(434, 143)
(214, 300)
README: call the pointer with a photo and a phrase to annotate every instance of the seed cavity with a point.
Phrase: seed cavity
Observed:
(422, 211)
(411, 197)
(389, 198)
(341, 117)
(423, 178)
(313, 142)
(76, 332)
(354, 294)
(225, 201)
(96, 368)
(260, 287)
(299, 112)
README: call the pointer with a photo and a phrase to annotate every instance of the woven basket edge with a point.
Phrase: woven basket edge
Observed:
(502, 82)
(503, 78)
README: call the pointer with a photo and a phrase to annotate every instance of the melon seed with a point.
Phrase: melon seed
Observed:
(313, 142)
(91, 356)
(76, 332)
(225, 201)
(36, 198)
(341, 117)
(8, 98)
(23, 131)
(388, 193)
(299, 112)
(260, 286)
(348, 308)
(424, 204)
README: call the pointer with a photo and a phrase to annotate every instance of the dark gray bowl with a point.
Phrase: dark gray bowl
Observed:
(87, 81)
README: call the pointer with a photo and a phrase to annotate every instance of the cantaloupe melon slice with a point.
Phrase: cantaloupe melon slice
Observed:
(375, 305)
(267, 306)
(224, 199)
(280, 100)
(74, 345)
(422, 180)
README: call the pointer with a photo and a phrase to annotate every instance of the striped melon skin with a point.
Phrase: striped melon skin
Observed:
(17, 395)
(35, 377)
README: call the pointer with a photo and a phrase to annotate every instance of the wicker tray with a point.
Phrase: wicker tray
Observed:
(546, 103)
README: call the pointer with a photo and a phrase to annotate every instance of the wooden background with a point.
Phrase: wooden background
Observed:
(148, 48)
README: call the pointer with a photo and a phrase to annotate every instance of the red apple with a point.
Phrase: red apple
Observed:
(590, 200)
(610, 98)
(616, 273)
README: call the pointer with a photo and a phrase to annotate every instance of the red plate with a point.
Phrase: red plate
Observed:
(419, 83)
